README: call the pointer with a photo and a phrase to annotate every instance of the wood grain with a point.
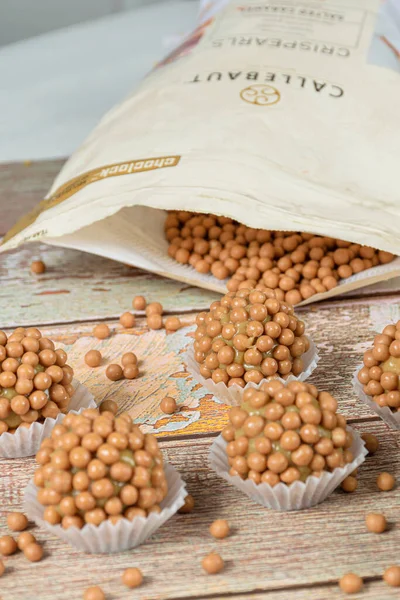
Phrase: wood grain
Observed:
(79, 286)
(266, 551)
(22, 186)
(270, 555)
(373, 589)
(341, 330)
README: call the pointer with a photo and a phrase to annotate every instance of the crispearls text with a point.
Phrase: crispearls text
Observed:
(289, 45)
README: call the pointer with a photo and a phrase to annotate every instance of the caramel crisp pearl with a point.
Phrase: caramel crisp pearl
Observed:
(94, 593)
(35, 381)
(7, 545)
(38, 267)
(168, 405)
(296, 265)
(33, 552)
(114, 372)
(385, 482)
(351, 583)
(371, 442)
(392, 576)
(98, 467)
(139, 303)
(101, 331)
(130, 371)
(109, 406)
(93, 358)
(127, 320)
(188, 506)
(154, 321)
(132, 577)
(220, 529)
(349, 484)
(24, 539)
(375, 522)
(154, 308)
(129, 358)
(17, 521)
(172, 324)
(281, 433)
(212, 563)
(249, 336)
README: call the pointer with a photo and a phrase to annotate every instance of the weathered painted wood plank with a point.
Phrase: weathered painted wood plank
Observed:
(162, 373)
(22, 186)
(266, 551)
(341, 330)
(79, 286)
(372, 590)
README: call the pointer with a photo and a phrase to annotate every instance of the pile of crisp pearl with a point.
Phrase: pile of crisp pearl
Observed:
(248, 336)
(97, 467)
(380, 375)
(296, 265)
(286, 432)
(35, 380)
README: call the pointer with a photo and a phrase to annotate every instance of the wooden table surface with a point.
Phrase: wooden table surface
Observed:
(270, 555)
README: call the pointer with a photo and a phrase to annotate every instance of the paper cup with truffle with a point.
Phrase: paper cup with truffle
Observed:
(101, 484)
(246, 338)
(286, 447)
(36, 391)
(377, 381)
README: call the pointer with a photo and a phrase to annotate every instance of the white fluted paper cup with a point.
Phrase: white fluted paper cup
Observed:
(26, 442)
(107, 538)
(298, 495)
(233, 395)
(392, 419)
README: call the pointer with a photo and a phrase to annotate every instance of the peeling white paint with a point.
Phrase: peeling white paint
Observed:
(383, 314)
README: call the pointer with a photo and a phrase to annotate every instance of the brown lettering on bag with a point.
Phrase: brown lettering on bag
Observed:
(73, 186)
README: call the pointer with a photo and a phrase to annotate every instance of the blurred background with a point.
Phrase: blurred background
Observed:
(21, 19)
(63, 64)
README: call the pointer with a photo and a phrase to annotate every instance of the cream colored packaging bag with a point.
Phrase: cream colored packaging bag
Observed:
(281, 114)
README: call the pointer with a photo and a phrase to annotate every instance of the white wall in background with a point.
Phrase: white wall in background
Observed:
(55, 87)
(21, 19)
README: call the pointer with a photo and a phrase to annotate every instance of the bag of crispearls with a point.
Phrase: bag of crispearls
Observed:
(280, 114)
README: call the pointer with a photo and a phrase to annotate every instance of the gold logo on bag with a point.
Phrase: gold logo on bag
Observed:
(261, 94)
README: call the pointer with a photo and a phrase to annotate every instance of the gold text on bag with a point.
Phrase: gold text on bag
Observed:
(73, 186)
